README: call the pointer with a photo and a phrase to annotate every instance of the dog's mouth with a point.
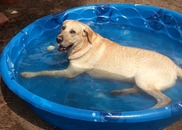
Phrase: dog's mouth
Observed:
(64, 49)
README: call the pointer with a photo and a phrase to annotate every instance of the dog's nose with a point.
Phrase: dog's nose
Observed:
(59, 39)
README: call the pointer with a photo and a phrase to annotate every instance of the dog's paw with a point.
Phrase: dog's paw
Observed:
(28, 74)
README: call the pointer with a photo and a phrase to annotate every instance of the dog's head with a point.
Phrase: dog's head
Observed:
(72, 34)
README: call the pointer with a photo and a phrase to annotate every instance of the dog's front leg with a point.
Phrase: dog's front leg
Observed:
(69, 73)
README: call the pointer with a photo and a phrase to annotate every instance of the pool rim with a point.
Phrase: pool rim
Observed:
(76, 113)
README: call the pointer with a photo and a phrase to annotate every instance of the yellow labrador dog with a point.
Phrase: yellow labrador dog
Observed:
(99, 57)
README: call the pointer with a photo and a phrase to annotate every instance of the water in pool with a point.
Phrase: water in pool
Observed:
(84, 91)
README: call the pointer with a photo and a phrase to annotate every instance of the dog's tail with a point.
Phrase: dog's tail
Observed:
(179, 72)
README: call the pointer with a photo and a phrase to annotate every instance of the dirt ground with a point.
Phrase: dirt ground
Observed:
(15, 113)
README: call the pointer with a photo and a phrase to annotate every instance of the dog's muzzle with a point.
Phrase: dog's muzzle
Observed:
(59, 39)
(62, 48)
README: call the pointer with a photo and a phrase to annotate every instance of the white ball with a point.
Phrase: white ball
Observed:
(50, 48)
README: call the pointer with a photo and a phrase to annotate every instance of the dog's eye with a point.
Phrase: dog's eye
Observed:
(72, 32)
(63, 27)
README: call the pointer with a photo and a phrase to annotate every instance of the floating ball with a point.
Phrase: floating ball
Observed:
(50, 48)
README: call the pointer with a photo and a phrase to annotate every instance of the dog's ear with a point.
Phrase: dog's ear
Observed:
(88, 32)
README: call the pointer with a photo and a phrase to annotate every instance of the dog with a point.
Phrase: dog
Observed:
(90, 53)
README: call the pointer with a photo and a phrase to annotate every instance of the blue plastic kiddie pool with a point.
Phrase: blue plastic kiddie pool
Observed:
(84, 103)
